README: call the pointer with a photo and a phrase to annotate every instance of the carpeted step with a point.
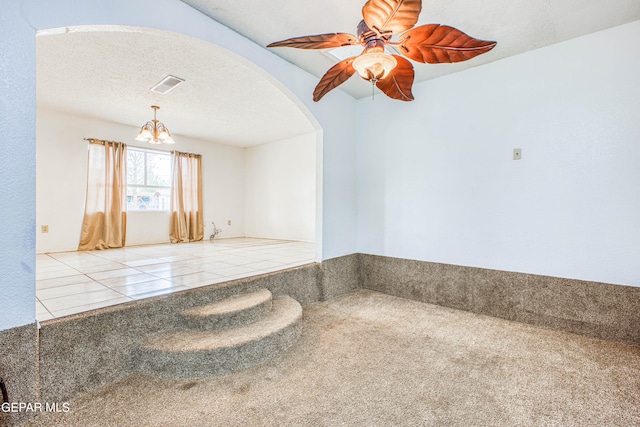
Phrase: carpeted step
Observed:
(228, 313)
(186, 353)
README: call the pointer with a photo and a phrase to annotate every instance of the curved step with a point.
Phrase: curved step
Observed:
(228, 313)
(188, 353)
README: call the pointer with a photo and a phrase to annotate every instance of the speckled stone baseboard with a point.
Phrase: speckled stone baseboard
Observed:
(598, 310)
(85, 351)
(339, 276)
(19, 369)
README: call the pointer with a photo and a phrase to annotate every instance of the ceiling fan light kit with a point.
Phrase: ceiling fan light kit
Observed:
(374, 66)
(392, 74)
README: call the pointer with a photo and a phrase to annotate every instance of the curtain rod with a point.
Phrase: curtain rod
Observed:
(187, 154)
(103, 141)
(133, 147)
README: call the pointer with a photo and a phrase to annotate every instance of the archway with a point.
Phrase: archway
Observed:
(93, 81)
(334, 117)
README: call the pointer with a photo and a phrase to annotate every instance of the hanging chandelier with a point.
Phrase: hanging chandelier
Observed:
(155, 132)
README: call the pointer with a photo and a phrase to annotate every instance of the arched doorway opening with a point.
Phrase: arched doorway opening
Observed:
(260, 149)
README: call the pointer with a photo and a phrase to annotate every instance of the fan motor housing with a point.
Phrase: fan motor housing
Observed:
(372, 40)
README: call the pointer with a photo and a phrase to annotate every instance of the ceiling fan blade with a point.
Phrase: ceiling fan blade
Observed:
(333, 78)
(320, 41)
(391, 15)
(397, 84)
(437, 44)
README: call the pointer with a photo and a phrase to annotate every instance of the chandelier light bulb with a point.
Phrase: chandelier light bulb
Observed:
(144, 136)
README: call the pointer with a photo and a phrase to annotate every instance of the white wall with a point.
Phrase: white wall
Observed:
(436, 179)
(265, 191)
(281, 189)
(17, 167)
(61, 163)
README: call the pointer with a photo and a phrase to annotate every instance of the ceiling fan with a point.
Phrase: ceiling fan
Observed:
(392, 74)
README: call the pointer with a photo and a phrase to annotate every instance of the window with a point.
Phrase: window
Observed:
(148, 180)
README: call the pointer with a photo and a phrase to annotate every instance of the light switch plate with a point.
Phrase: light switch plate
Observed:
(517, 154)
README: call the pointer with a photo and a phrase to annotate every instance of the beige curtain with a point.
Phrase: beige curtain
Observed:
(186, 198)
(105, 218)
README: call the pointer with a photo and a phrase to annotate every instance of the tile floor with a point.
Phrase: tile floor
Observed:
(73, 282)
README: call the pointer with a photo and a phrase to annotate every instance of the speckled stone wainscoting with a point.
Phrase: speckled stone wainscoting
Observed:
(598, 310)
(19, 370)
(76, 354)
(339, 276)
(84, 351)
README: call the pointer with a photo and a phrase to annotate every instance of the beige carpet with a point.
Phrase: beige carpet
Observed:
(368, 359)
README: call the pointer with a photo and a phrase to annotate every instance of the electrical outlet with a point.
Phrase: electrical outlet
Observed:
(517, 154)
(45, 228)
(228, 222)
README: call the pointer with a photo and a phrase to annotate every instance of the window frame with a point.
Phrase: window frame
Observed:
(147, 151)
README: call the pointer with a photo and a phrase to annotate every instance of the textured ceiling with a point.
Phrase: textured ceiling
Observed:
(108, 74)
(517, 25)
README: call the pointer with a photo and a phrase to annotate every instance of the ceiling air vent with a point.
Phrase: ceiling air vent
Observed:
(167, 84)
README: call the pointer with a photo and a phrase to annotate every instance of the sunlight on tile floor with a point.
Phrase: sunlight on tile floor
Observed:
(73, 282)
